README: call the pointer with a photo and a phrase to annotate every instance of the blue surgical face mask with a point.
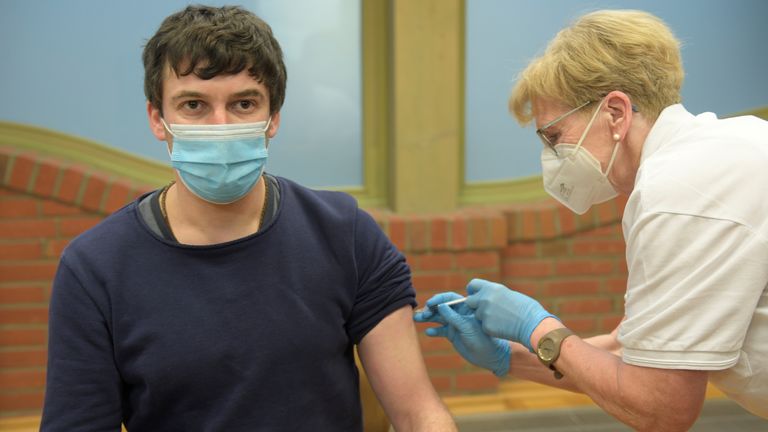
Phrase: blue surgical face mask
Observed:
(219, 163)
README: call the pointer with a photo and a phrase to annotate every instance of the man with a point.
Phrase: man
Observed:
(230, 299)
(605, 98)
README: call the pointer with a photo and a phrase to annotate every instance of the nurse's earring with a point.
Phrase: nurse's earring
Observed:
(616, 137)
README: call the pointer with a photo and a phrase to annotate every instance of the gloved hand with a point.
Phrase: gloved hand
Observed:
(505, 313)
(466, 334)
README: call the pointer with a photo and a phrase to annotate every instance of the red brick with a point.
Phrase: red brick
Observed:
(71, 182)
(22, 379)
(621, 266)
(583, 267)
(480, 231)
(585, 221)
(527, 268)
(477, 381)
(477, 260)
(547, 223)
(443, 362)
(586, 306)
(94, 192)
(438, 232)
(5, 161)
(47, 174)
(571, 287)
(32, 229)
(26, 315)
(580, 325)
(529, 289)
(611, 230)
(567, 220)
(530, 221)
(21, 294)
(54, 247)
(76, 226)
(430, 282)
(459, 233)
(21, 401)
(513, 222)
(18, 208)
(397, 232)
(618, 286)
(598, 247)
(432, 262)
(23, 272)
(609, 323)
(434, 344)
(606, 212)
(26, 358)
(520, 250)
(621, 204)
(118, 196)
(554, 248)
(418, 234)
(441, 383)
(458, 282)
(21, 250)
(52, 208)
(498, 232)
(22, 337)
(21, 175)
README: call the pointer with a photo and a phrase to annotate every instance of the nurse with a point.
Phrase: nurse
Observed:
(605, 98)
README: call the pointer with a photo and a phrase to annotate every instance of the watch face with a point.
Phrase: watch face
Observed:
(546, 350)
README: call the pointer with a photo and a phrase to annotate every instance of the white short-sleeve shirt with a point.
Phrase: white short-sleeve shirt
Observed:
(696, 231)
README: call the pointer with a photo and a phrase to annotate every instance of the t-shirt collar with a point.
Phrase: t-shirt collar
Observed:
(670, 121)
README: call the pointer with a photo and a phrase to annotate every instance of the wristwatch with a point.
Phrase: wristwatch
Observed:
(548, 349)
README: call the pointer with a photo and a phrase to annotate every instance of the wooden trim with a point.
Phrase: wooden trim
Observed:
(78, 150)
(427, 92)
(522, 190)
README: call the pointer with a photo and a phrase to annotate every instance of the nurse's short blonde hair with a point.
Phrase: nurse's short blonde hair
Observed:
(626, 50)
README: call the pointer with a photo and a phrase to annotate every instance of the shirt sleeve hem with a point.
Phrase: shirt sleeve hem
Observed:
(680, 359)
(359, 333)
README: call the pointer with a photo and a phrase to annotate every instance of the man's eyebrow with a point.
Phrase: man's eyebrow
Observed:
(187, 94)
(249, 92)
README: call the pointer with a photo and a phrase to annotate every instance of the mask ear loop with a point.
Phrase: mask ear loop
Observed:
(589, 126)
(165, 125)
(613, 158)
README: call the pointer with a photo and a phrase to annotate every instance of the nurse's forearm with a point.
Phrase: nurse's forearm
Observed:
(525, 365)
(643, 398)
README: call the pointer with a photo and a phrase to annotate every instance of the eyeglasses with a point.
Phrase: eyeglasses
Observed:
(541, 131)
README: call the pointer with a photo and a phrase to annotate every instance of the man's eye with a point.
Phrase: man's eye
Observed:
(193, 104)
(245, 105)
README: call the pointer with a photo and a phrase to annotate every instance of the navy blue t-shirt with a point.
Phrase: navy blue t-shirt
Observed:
(256, 334)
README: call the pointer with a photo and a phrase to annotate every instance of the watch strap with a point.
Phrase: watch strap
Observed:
(556, 338)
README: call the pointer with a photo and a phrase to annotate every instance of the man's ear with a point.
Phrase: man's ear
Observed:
(619, 106)
(155, 125)
(274, 125)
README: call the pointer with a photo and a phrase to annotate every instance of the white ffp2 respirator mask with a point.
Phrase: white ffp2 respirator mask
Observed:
(574, 177)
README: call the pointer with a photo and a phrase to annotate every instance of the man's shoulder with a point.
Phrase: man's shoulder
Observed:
(121, 224)
(310, 196)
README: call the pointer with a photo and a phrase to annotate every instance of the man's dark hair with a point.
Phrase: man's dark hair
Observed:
(210, 41)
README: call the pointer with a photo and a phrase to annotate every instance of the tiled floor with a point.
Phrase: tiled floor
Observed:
(529, 407)
(717, 415)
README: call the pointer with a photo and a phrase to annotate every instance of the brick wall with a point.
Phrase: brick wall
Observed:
(573, 264)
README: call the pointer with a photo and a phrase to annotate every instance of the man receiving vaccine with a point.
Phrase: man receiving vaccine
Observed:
(230, 299)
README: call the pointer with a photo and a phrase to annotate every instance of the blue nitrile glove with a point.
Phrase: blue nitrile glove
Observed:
(427, 315)
(505, 313)
(465, 333)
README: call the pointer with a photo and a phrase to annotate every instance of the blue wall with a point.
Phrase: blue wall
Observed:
(724, 55)
(75, 66)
